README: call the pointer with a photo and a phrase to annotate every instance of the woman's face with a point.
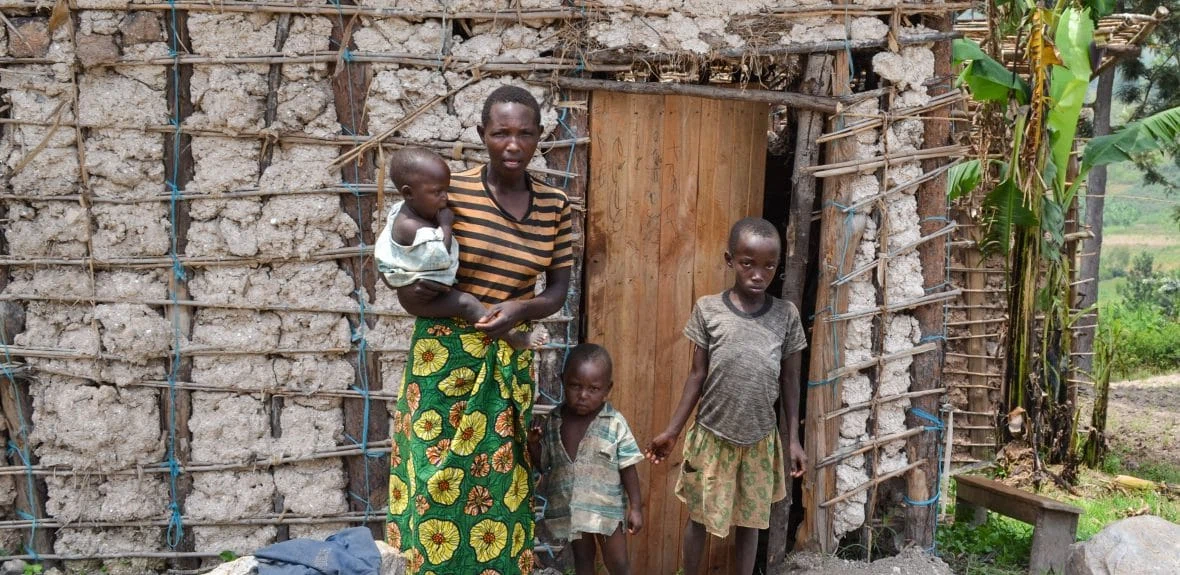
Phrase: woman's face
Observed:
(511, 135)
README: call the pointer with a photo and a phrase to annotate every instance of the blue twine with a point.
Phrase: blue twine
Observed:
(22, 451)
(932, 337)
(361, 329)
(175, 531)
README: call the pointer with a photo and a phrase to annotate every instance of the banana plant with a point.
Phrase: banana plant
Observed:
(1024, 214)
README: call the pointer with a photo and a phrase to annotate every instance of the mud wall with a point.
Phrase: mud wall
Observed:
(204, 345)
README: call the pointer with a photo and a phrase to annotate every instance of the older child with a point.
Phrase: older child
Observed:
(417, 243)
(733, 458)
(588, 457)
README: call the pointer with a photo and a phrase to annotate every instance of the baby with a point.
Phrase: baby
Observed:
(588, 457)
(417, 244)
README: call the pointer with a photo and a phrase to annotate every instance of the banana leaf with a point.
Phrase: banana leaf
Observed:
(962, 179)
(1067, 89)
(988, 79)
(1004, 211)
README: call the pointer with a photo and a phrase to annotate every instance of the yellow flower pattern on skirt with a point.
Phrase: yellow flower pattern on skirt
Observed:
(461, 487)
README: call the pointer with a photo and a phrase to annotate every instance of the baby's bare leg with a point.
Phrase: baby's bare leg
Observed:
(460, 304)
(527, 339)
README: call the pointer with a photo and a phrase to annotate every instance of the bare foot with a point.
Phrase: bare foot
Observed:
(527, 340)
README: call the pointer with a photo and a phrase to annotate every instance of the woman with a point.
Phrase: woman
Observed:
(460, 489)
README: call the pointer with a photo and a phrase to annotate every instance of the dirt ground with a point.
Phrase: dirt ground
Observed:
(1143, 420)
(911, 562)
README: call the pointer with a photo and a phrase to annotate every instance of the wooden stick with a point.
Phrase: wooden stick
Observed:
(864, 447)
(873, 483)
(833, 46)
(884, 399)
(825, 104)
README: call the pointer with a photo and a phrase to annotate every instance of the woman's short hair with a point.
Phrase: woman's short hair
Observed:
(509, 94)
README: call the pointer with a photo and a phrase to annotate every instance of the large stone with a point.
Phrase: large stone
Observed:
(1144, 545)
(141, 28)
(30, 39)
(95, 49)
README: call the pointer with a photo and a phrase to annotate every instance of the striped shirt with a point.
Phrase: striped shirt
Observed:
(586, 494)
(500, 257)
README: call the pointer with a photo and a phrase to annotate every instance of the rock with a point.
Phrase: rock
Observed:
(242, 566)
(95, 49)
(30, 39)
(392, 562)
(1143, 545)
(141, 28)
(13, 567)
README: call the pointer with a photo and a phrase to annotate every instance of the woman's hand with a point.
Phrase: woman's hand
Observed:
(501, 318)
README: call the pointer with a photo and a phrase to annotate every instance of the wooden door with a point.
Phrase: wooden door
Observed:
(668, 176)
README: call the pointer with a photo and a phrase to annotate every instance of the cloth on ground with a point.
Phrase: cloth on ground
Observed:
(349, 552)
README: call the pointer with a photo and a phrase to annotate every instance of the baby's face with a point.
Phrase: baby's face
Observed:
(428, 194)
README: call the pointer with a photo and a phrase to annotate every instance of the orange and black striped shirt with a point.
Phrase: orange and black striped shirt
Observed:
(500, 257)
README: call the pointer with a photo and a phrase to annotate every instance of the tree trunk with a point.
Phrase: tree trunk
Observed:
(922, 482)
(1092, 247)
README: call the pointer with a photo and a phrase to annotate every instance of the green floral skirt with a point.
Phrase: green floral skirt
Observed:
(460, 483)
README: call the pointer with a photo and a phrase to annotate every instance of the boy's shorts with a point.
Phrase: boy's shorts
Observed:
(724, 484)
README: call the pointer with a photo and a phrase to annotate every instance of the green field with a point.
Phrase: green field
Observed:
(1138, 218)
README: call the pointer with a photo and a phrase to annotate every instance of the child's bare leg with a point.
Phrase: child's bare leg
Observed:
(583, 554)
(614, 552)
(694, 545)
(746, 547)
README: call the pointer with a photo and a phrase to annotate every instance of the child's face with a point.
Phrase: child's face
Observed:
(586, 387)
(427, 191)
(754, 261)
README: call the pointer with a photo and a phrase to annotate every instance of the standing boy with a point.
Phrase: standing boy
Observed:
(733, 456)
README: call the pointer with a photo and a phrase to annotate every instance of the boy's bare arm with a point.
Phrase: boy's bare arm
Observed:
(661, 446)
(790, 391)
(630, 477)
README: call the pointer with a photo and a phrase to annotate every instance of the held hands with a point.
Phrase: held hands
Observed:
(501, 318)
(798, 459)
(661, 447)
(634, 519)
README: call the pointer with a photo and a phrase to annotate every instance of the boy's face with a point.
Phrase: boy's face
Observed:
(427, 191)
(586, 387)
(754, 261)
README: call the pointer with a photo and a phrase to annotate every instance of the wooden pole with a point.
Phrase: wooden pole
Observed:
(816, 80)
(368, 477)
(820, 434)
(922, 481)
(825, 104)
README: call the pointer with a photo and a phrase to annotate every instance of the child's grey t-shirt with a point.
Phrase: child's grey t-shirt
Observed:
(745, 358)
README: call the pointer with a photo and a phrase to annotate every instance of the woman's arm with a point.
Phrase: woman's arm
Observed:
(661, 446)
(507, 315)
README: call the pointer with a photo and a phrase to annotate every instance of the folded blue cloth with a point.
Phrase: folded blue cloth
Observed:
(349, 552)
